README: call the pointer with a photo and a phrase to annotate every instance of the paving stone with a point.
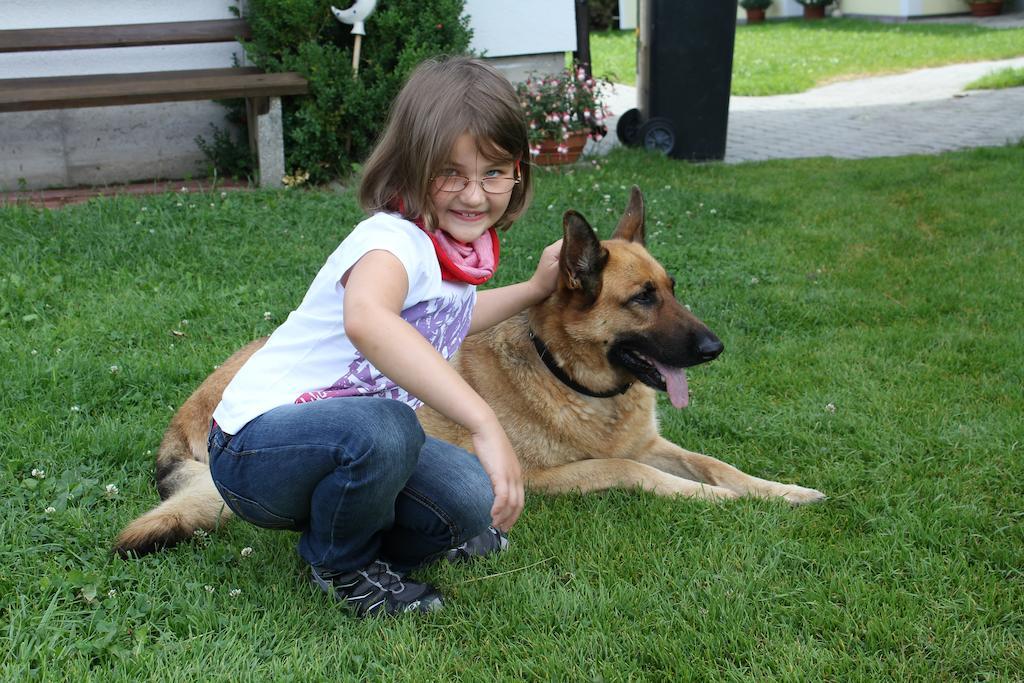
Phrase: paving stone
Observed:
(920, 112)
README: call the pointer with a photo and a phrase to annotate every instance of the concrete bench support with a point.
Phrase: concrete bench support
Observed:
(266, 135)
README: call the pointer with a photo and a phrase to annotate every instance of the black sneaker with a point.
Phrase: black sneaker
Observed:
(378, 589)
(489, 542)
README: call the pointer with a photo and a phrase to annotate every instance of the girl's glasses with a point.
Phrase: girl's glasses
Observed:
(458, 183)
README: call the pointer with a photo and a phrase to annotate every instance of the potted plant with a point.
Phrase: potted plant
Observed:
(562, 110)
(985, 8)
(815, 9)
(755, 9)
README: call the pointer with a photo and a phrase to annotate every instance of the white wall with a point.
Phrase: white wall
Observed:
(524, 27)
(628, 14)
(15, 14)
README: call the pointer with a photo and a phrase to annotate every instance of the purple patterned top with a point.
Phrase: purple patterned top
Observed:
(444, 323)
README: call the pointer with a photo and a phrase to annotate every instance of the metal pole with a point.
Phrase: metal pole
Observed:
(582, 54)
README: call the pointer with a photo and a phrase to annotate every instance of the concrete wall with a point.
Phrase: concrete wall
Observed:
(102, 145)
(903, 8)
(895, 9)
(779, 9)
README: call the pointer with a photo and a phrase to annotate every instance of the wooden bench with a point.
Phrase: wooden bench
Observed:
(262, 91)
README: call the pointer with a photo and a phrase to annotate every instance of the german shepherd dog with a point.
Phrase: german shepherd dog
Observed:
(573, 381)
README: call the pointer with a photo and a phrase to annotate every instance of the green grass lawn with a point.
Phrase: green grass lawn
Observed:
(872, 319)
(1003, 78)
(780, 57)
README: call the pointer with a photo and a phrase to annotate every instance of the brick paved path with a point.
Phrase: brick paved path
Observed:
(921, 112)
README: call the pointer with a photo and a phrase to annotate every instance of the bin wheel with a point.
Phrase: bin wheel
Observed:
(628, 128)
(658, 134)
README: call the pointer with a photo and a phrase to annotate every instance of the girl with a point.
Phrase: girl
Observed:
(317, 432)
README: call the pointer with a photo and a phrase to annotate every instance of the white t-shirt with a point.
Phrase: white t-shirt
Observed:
(309, 357)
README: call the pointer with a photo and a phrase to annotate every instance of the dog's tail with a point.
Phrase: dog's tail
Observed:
(190, 500)
(195, 505)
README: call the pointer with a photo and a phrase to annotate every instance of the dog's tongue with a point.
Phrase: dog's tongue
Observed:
(675, 380)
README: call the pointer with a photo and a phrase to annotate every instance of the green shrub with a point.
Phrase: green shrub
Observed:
(227, 156)
(602, 14)
(334, 128)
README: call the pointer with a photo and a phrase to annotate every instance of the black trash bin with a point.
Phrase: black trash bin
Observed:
(684, 72)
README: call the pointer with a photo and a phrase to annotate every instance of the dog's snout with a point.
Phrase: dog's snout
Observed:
(709, 347)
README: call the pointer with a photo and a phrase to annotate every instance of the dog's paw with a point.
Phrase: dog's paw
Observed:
(798, 495)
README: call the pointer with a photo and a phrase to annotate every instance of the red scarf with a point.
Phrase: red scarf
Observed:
(473, 263)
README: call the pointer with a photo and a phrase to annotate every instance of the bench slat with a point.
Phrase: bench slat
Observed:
(130, 35)
(102, 90)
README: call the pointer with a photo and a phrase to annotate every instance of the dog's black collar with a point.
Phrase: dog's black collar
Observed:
(549, 361)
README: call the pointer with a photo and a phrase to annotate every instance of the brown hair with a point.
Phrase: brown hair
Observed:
(441, 100)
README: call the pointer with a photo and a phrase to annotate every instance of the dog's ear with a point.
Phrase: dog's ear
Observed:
(631, 225)
(582, 258)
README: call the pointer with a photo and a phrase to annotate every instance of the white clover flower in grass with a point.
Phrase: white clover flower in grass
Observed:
(831, 407)
(38, 474)
(235, 592)
(246, 551)
(714, 211)
(34, 352)
(111, 593)
(208, 588)
(267, 315)
(111, 490)
(50, 510)
(754, 280)
(76, 409)
(114, 369)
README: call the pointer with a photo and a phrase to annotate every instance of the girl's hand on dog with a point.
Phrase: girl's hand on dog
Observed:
(545, 278)
(495, 453)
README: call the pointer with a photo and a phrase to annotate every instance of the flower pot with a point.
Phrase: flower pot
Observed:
(986, 9)
(755, 15)
(550, 156)
(814, 12)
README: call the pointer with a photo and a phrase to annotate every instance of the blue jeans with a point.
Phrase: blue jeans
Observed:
(359, 479)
